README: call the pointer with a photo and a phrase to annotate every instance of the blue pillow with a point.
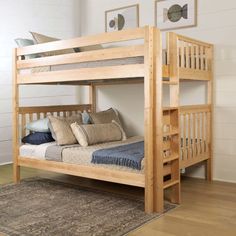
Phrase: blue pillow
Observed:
(86, 118)
(39, 125)
(26, 42)
(38, 138)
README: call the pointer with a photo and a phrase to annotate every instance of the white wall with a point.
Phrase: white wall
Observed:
(57, 18)
(216, 24)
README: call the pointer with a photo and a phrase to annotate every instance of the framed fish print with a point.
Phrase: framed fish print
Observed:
(122, 18)
(174, 14)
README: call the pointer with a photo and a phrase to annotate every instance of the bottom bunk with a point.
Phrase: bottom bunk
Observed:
(75, 159)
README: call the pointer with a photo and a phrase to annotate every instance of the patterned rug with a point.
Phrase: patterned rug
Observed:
(47, 207)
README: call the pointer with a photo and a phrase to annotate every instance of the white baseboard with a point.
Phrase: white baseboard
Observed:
(223, 180)
(6, 163)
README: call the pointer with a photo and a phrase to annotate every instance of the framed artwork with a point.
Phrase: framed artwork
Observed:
(174, 14)
(122, 18)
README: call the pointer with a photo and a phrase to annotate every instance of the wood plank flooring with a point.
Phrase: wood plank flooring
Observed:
(207, 209)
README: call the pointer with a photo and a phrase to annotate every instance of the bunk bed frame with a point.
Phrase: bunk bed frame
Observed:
(187, 59)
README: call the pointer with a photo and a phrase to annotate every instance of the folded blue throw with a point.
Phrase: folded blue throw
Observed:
(129, 155)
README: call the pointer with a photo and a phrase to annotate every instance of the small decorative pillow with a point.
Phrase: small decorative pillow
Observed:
(40, 38)
(38, 125)
(23, 43)
(61, 130)
(38, 138)
(97, 133)
(104, 117)
(86, 118)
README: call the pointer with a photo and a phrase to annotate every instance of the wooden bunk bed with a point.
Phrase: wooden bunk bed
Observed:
(164, 127)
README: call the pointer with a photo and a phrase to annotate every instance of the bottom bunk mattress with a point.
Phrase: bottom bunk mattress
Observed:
(76, 154)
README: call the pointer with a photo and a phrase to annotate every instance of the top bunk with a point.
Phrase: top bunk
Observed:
(58, 63)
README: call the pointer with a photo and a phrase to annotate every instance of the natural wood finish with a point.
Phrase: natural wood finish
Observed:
(92, 98)
(210, 101)
(173, 54)
(158, 170)
(193, 74)
(15, 121)
(84, 74)
(187, 59)
(149, 114)
(106, 174)
(193, 41)
(196, 129)
(110, 37)
(71, 58)
(51, 109)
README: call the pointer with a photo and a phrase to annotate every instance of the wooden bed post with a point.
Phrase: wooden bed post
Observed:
(15, 121)
(208, 166)
(92, 97)
(154, 195)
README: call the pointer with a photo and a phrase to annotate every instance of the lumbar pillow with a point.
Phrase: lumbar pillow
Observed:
(61, 130)
(39, 125)
(103, 117)
(38, 138)
(97, 133)
(40, 38)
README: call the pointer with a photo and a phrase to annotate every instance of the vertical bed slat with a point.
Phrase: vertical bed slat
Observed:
(184, 137)
(197, 57)
(187, 55)
(182, 57)
(202, 57)
(192, 57)
(189, 136)
(194, 135)
(23, 123)
(198, 133)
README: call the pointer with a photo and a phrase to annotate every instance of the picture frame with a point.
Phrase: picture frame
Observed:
(175, 14)
(122, 18)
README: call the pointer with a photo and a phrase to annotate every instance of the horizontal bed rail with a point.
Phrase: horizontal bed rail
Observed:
(84, 74)
(110, 37)
(95, 55)
(56, 62)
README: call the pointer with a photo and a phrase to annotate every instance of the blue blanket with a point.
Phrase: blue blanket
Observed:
(129, 155)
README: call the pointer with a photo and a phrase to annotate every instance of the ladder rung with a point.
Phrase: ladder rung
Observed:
(171, 158)
(170, 82)
(170, 183)
(171, 133)
(170, 108)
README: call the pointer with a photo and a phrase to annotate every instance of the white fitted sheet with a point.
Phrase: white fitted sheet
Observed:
(35, 151)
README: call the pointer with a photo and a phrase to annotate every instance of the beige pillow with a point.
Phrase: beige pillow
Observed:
(104, 117)
(40, 38)
(61, 130)
(97, 133)
(91, 48)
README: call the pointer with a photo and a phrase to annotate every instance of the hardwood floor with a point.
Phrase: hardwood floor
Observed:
(207, 208)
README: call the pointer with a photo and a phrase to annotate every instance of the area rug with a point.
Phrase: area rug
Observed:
(47, 207)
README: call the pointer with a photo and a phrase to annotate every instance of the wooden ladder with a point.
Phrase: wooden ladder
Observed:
(171, 123)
